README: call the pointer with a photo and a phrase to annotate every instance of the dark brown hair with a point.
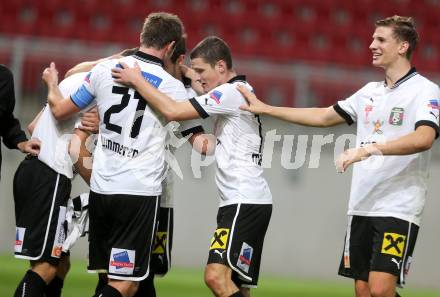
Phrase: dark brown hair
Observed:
(213, 49)
(161, 28)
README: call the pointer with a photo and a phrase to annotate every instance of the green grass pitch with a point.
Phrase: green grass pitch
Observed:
(183, 282)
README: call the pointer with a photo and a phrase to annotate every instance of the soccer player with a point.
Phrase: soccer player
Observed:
(10, 131)
(40, 205)
(245, 198)
(397, 122)
(129, 160)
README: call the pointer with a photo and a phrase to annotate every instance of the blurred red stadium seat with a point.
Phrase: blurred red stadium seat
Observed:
(279, 30)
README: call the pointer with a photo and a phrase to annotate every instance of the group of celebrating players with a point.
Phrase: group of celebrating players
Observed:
(108, 120)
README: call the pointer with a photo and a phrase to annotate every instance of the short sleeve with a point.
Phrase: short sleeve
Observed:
(428, 111)
(86, 93)
(221, 100)
(347, 109)
(190, 127)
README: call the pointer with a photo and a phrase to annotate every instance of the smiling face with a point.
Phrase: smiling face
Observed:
(210, 76)
(386, 48)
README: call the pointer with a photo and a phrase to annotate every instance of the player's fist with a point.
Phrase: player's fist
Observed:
(50, 74)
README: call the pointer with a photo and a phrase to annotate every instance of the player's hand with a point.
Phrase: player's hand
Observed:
(129, 76)
(196, 82)
(31, 146)
(254, 104)
(90, 121)
(351, 156)
(50, 75)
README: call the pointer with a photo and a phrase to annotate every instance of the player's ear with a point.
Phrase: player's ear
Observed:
(221, 66)
(180, 60)
(169, 49)
(403, 48)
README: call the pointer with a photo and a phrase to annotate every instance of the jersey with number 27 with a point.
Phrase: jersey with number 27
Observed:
(129, 156)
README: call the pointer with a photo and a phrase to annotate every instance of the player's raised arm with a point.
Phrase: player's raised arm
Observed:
(170, 109)
(61, 107)
(315, 117)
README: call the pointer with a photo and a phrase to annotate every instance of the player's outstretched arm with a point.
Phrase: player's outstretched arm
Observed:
(418, 141)
(170, 109)
(315, 117)
(62, 108)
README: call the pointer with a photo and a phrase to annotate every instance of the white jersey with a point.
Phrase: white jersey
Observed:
(130, 154)
(239, 175)
(185, 129)
(393, 186)
(55, 135)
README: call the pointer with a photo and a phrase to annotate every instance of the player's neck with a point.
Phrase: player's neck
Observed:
(396, 71)
(153, 52)
(230, 75)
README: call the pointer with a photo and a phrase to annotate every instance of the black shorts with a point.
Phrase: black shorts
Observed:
(163, 242)
(238, 240)
(40, 196)
(121, 233)
(383, 244)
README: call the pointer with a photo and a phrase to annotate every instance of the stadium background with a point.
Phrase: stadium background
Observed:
(295, 53)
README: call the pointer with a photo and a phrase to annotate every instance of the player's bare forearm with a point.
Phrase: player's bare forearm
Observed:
(314, 117)
(170, 109)
(80, 155)
(415, 142)
(54, 97)
(81, 67)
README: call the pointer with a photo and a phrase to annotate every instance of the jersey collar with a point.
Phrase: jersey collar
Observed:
(412, 72)
(148, 58)
(237, 78)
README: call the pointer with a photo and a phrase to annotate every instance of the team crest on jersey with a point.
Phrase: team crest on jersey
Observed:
(220, 239)
(396, 116)
(122, 261)
(19, 238)
(216, 95)
(245, 257)
(160, 241)
(393, 244)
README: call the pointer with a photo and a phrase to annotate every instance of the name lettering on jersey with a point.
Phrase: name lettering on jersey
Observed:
(396, 116)
(220, 239)
(393, 244)
(160, 241)
(119, 148)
